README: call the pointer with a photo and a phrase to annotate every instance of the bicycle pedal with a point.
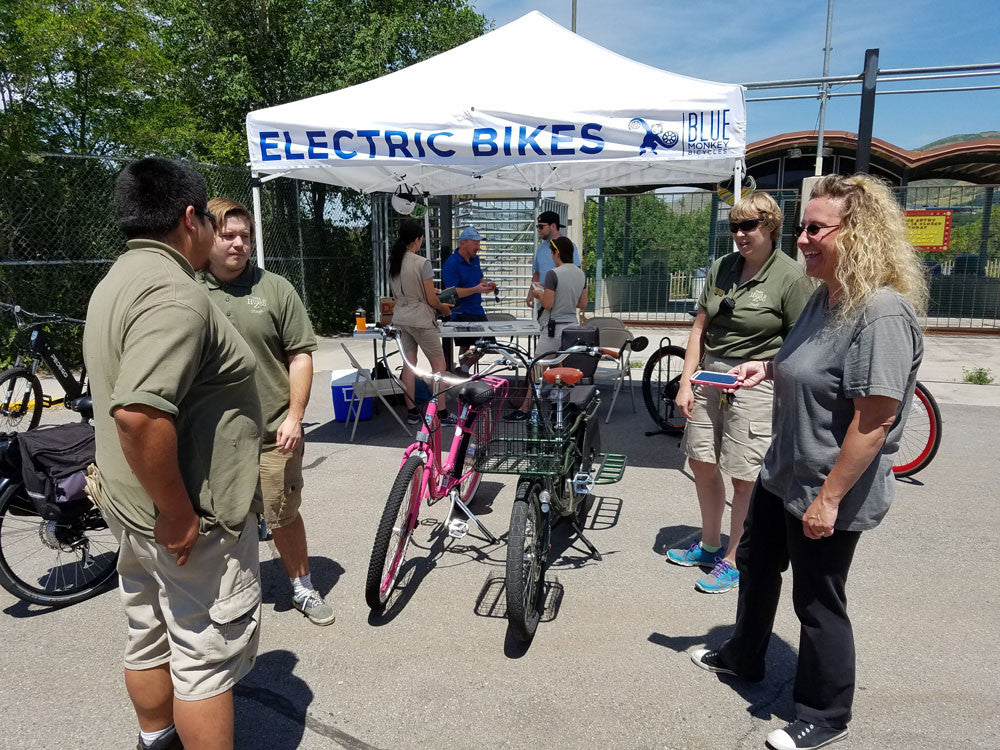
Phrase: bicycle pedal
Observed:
(583, 483)
(458, 528)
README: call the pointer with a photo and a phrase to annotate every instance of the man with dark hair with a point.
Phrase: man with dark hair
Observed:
(269, 314)
(548, 226)
(177, 423)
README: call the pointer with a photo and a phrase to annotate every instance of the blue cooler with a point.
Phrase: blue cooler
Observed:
(341, 387)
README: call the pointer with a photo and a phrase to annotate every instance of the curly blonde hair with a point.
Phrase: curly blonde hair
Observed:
(872, 245)
(762, 206)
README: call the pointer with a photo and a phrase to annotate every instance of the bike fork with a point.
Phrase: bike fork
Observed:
(457, 528)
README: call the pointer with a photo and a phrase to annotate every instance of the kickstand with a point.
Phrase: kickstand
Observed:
(455, 524)
(583, 538)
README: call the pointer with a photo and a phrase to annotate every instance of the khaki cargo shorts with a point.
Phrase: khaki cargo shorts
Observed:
(202, 618)
(427, 339)
(281, 485)
(736, 436)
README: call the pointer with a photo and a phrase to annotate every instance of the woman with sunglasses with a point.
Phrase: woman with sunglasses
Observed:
(749, 304)
(843, 382)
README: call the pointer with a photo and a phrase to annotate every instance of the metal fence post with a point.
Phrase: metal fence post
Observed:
(867, 116)
(713, 232)
(599, 271)
(984, 234)
(298, 226)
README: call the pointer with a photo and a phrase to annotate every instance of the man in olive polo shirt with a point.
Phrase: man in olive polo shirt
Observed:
(177, 423)
(267, 310)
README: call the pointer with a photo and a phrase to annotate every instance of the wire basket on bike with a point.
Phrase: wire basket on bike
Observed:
(537, 444)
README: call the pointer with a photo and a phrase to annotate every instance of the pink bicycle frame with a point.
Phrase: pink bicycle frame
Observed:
(438, 479)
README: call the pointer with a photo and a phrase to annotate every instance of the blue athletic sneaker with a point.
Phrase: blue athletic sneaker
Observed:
(722, 578)
(694, 555)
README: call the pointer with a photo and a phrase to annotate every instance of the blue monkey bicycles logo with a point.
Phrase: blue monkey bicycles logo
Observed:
(655, 136)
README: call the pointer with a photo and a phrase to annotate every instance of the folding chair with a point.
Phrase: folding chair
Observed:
(604, 323)
(619, 340)
(366, 387)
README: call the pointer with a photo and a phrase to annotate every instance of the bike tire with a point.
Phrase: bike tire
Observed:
(525, 561)
(660, 382)
(20, 397)
(399, 519)
(921, 435)
(51, 563)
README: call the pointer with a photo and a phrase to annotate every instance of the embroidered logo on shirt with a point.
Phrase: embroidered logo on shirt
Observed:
(256, 304)
(757, 298)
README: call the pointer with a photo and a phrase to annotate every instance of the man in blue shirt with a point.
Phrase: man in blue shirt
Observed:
(463, 272)
(548, 229)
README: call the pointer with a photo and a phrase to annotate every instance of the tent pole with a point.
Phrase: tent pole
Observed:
(599, 271)
(737, 190)
(257, 219)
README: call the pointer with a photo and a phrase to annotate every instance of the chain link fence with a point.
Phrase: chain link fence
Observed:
(58, 236)
(646, 254)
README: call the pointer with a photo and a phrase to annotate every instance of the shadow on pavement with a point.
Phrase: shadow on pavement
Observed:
(276, 589)
(273, 687)
(767, 699)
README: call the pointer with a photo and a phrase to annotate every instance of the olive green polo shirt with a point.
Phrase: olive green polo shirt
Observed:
(267, 310)
(154, 338)
(766, 306)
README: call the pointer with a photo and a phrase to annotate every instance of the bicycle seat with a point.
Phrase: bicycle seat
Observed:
(563, 376)
(476, 393)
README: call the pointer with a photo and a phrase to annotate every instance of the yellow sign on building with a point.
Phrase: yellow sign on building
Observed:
(929, 231)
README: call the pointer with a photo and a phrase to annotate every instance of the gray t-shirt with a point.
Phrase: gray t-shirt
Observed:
(819, 369)
(567, 282)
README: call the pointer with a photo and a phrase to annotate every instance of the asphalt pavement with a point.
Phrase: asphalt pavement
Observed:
(609, 665)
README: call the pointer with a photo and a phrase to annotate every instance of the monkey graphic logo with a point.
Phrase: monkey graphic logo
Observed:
(655, 136)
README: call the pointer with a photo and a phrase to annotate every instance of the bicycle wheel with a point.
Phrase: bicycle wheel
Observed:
(53, 563)
(399, 519)
(921, 434)
(20, 399)
(482, 429)
(660, 381)
(525, 561)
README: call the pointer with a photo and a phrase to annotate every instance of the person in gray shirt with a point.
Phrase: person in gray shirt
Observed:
(843, 382)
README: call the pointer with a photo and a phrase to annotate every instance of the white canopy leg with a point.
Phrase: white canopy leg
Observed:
(257, 223)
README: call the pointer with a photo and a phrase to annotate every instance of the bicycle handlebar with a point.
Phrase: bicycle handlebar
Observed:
(18, 312)
(392, 332)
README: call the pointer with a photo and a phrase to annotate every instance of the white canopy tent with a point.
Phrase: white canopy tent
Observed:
(530, 105)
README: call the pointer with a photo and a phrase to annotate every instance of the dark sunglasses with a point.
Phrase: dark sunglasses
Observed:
(747, 225)
(813, 229)
(543, 225)
(208, 215)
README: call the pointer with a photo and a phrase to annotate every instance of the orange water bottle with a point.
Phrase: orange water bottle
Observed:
(359, 319)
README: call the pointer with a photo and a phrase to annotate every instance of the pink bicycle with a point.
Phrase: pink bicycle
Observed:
(427, 477)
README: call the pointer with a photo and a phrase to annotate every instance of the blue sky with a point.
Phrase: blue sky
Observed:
(781, 39)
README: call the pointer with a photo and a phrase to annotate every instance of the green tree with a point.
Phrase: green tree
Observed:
(85, 76)
(663, 234)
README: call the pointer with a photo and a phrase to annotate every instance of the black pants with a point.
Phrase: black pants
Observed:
(824, 676)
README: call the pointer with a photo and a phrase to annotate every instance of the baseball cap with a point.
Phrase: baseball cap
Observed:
(469, 233)
(550, 217)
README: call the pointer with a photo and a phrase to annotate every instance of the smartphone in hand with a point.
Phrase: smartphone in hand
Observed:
(718, 379)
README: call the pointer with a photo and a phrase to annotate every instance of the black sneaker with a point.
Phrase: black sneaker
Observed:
(801, 735)
(447, 418)
(413, 416)
(710, 660)
(516, 416)
(169, 741)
